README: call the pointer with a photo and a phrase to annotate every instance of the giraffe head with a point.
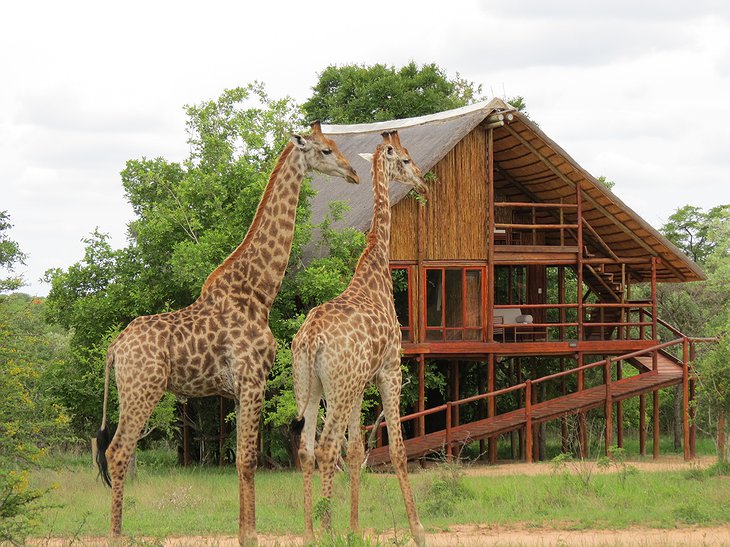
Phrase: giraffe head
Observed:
(398, 163)
(322, 155)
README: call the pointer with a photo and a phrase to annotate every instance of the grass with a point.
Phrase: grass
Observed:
(204, 501)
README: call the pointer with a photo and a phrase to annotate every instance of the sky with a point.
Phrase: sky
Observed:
(637, 91)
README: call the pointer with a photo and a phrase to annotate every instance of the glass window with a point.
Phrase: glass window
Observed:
(402, 299)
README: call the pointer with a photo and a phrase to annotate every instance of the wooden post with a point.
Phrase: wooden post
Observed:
(609, 407)
(619, 412)
(448, 431)
(528, 421)
(520, 403)
(491, 408)
(455, 373)
(561, 300)
(692, 409)
(579, 210)
(654, 308)
(490, 237)
(685, 397)
(642, 425)
(655, 432)
(582, 430)
(564, 418)
(693, 422)
(421, 391)
(482, 389)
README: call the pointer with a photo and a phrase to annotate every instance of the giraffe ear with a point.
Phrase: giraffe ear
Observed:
(367, 157)
(300, 142)
(390, 151)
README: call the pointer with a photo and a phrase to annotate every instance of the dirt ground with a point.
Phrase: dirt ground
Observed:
(504, 536)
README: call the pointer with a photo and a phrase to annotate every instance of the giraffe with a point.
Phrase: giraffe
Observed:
(221, 344)
(349, 341)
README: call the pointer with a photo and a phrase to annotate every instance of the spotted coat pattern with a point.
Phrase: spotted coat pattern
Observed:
(221, 344)
(350, 341)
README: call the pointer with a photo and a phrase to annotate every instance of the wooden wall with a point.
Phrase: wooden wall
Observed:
(456, 208)
(456, 212)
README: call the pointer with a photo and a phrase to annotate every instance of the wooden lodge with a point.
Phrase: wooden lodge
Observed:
(524, 271)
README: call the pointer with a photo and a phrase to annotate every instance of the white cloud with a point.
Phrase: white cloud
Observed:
(634, 91)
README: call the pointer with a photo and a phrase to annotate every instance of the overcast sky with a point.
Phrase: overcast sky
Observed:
(633, 90)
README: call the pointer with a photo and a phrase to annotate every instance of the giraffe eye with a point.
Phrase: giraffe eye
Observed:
(326, 151)
(406, 162)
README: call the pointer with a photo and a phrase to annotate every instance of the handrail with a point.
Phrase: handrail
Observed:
(522, 385)
(687, 343)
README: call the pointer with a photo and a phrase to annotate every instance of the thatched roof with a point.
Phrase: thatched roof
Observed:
(527, 163)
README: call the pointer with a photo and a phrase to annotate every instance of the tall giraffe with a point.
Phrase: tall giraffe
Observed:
(221, 344)
(349, 341)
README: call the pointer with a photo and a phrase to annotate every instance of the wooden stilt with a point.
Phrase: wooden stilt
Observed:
(491, 408)
(608, 407)
(619, 412)
(655, 432)
(421, 391)
(642, 425)
(528, 421)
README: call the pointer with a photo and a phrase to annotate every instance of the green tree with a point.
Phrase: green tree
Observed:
(10, 256)
(361, 94)
(31, 420)
(695, 231)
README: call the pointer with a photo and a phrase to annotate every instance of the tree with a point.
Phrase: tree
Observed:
(10, 256)
(31, 420)
(694, 231)
(362, 94)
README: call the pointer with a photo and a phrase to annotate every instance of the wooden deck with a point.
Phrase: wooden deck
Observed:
(668, 373)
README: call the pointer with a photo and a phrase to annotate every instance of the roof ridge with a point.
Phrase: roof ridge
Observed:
(487, 105)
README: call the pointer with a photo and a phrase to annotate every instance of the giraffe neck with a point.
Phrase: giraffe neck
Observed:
(257, 266)
(373, 270)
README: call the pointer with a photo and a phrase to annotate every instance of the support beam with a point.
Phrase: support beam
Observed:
(655, 432)
(619, 412)
(685, 398)
(491, 408)
(637, 239)
(528, 421)
(421, 393)
(642, 425)
(608, 407)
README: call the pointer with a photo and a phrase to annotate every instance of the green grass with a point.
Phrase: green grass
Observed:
(204, 501)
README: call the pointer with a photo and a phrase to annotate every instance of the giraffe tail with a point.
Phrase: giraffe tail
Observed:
(103, 437)
(303, 361)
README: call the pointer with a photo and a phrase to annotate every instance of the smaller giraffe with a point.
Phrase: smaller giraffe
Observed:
(349, 341)
(221, 344)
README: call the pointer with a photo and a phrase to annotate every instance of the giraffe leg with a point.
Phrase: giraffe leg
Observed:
(248, 413)
(134, 411)
(306, 455)
(389, 385)
(329, 446)
(355, 457)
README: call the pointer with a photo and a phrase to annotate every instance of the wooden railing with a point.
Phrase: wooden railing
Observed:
(528, 386)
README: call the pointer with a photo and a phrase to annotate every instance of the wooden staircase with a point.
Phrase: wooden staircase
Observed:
(669, 372)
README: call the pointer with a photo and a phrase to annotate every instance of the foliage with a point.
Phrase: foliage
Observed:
(362, 94)
(31, 421)
(10, 256)
(695, 231)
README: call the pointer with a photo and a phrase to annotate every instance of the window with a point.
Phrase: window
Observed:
(454, 303)
(401, 276)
